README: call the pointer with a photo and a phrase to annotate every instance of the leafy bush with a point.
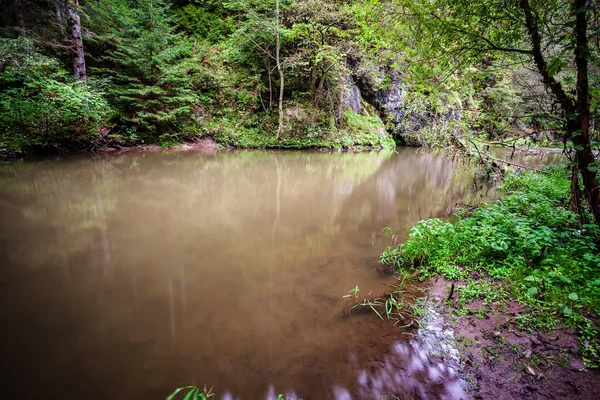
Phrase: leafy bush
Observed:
(148, 66)
(39, 102)
(529, 238)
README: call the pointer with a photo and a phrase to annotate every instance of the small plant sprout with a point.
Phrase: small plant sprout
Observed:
(193, 393)
(353, 293)
(390, 232)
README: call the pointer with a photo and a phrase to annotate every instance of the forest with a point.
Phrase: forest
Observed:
(288, 74)
(414, 125)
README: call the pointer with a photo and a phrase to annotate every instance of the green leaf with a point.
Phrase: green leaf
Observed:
(567, 312)
(573, 296)
(555, 66)
(564, 279)
(532, 291)
(191, 393)
(377, 312)
(172, 396)
(531, 278)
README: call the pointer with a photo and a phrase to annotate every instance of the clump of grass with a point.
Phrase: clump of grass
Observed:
(192, 393)
(393, 306)
(531, 241)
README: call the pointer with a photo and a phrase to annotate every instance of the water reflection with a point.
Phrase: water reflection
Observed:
(134, 274)
(410, 370)
(529, 158)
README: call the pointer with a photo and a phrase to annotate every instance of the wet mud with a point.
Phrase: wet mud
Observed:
(499, 361)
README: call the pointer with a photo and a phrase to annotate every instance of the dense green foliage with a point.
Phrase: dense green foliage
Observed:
(170, 70)
(530, 239)
(40, 104)
(161, 71)
(145, 68)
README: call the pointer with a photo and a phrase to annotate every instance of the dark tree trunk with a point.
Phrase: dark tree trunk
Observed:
(59, 11)
(58, 15)
(77, 53)
(577, 113)
(19, 19)
(576, 195)
(586, 161)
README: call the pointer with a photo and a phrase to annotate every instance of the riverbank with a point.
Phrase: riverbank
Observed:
(500, 359)
(516, 281)
(375, 139)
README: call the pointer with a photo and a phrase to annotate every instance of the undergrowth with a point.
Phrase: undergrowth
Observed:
(303, 130)
(531, 243)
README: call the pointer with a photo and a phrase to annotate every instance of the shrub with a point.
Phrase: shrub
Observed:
(528, 238)
(40, 103)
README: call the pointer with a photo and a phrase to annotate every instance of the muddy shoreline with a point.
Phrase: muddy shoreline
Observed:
(205, 144)
(498, 360)
(480, 355)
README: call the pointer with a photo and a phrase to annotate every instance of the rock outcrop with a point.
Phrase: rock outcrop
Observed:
(383, 90)
(352, 96)
(382, 87)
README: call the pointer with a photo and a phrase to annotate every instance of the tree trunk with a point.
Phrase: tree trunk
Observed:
(19, 19)
(586, 161)
(280, 70)
(576, 195)
(58, 16)
(577, 113)
(270, 81)
(77, 53)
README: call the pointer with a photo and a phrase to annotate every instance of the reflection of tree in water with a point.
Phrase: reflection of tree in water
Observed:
(407, 188)
(61, 208)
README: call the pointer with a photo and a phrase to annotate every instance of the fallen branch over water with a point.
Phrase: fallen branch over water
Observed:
(515, 164)
(488, 160)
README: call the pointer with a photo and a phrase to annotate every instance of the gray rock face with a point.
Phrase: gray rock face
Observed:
(388, 100)
(352, 95)
(382, 87)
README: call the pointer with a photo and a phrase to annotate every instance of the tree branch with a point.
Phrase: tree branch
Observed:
(492, 45)
(536, 42)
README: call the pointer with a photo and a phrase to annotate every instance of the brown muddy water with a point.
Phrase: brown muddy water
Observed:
(126, 276)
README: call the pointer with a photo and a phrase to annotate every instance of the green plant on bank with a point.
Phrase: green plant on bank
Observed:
(195, 393)
(392, 306)
(304, 127)
(528, 242)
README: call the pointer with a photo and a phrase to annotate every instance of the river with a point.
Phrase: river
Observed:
(127, 275)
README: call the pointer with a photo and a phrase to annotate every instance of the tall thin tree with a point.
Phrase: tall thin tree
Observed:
(18, 16)
(279, 68)
(77, 52)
